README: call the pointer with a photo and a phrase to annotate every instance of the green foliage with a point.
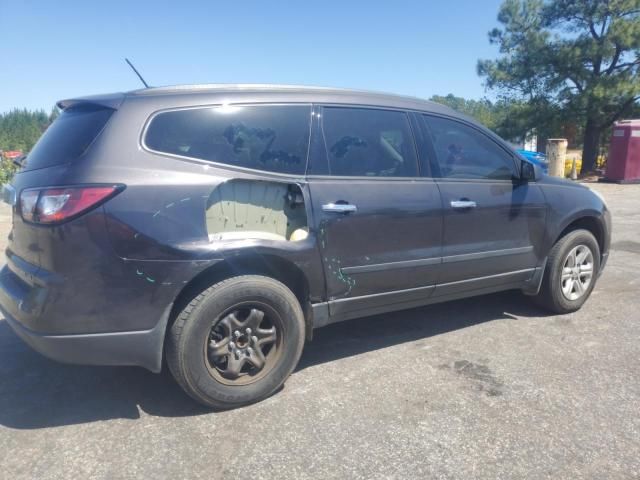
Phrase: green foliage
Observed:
(482, 110)
(510, 119)
(575, 60)
(20, 129)
(7, 169)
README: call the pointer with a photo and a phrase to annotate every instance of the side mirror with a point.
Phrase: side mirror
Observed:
(527, 171)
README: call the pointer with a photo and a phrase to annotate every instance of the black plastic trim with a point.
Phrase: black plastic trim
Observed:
(141, 348)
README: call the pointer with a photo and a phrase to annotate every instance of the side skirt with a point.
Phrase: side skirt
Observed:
(326, 313)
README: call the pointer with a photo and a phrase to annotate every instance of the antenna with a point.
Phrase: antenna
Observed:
(137, 73)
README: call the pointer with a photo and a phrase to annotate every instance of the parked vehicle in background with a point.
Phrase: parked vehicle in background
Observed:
(217, 226)
(537, 158)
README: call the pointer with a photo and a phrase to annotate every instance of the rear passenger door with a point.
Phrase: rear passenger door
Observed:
(378, 222)
(493, 223)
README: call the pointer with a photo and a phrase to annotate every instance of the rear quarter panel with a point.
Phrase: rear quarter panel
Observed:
(160, 218)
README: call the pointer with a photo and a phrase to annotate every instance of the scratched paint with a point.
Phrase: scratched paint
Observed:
(148, 278)
(172, 204)
(333, 265)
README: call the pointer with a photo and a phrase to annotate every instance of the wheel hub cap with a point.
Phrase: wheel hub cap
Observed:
(240, 345)
(577, 272)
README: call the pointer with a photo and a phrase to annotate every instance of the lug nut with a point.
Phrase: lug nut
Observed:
(232, 346)
(248, 330)
(236, 334)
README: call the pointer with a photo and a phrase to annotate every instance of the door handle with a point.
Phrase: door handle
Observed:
(339, 208)
(463, 204)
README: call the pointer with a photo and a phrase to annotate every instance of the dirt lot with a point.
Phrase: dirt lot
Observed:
(488, 387)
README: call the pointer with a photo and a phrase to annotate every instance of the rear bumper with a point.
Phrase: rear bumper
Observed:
(31, 298)
(138, 348)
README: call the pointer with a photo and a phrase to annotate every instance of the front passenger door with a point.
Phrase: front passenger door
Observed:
(493, 223)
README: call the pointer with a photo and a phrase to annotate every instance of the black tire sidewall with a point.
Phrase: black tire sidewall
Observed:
(207, 388)
(558, 301)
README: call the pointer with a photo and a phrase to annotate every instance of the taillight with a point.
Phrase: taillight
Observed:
(55, 205)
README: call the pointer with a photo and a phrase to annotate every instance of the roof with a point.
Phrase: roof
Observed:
(184, 95)
(262, 88)
(359, 96)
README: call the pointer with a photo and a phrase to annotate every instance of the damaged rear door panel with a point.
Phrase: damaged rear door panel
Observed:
(379, 224)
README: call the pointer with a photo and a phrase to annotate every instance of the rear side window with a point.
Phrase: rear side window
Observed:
(274, 138)
(368, 142)
(68, 137)
(464, 152)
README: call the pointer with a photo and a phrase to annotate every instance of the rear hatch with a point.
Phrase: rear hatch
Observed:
(51, 164)
(68, 137)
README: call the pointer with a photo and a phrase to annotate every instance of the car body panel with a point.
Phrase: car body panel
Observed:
(110, 278)
(396, 231)
(503, 233)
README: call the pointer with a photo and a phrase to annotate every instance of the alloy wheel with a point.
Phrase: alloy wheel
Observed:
(577, 272)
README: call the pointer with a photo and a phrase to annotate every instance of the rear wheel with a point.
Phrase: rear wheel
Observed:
(237, 341)
(571, 272)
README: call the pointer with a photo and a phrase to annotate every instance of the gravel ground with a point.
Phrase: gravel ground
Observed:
(488, 387)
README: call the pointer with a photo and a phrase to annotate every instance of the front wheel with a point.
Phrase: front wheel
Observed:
(571, 272)
(237, 341)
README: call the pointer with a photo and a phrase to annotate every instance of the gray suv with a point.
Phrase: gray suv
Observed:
(217, 226)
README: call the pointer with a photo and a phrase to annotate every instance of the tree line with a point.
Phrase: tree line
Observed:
(21, 128)
(568, 62)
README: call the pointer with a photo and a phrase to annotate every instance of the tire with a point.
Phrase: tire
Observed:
(557, 294)
(203, 349)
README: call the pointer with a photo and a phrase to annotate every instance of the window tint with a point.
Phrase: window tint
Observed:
(464, 152)
(68, 136)
(266, 137)
(368, 142)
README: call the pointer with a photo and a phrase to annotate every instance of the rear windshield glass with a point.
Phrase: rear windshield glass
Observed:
(68, 136)
(273, 138)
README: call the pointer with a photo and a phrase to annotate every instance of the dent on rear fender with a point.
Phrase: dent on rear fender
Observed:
(248, 209)
(210, 224)
(206, 220)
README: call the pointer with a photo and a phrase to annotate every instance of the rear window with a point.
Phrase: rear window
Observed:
(274, 138)
(369, 142)
(68, 137)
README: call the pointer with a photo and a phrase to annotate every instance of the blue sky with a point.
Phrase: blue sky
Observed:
(59, 49)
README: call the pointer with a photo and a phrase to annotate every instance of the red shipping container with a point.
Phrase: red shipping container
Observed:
(623, 164)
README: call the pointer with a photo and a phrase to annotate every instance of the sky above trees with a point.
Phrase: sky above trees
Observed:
(54, 50)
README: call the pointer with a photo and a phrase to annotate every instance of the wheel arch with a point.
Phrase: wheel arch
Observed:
(589, 221)
(268, 265)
